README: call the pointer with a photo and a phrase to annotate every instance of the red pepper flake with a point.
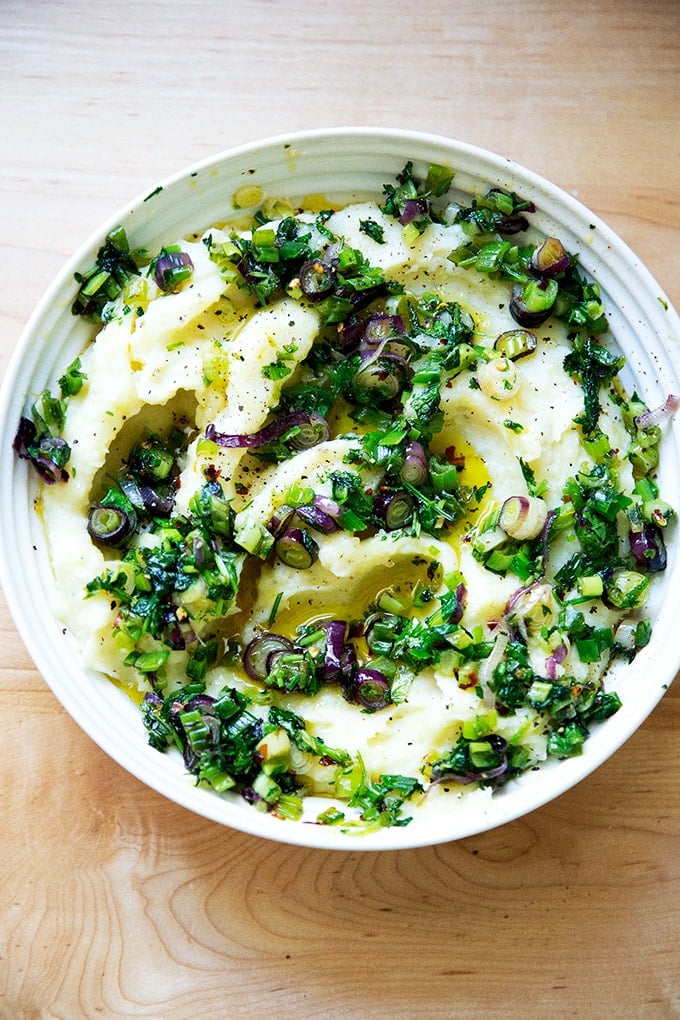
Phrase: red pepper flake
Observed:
(470, 681)
(453, 457)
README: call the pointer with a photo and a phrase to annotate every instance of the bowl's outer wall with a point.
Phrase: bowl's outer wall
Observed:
(349, 163)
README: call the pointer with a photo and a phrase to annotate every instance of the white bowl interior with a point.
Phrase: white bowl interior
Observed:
(332, 162)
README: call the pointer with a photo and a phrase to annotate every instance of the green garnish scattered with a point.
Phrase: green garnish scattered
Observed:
(377, 375)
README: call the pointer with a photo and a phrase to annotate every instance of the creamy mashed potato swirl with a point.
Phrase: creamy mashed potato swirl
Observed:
(367, 535)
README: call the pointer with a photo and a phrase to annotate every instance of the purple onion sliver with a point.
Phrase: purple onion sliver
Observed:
(200, 701)
(648, 547)
(317, 519)
(152, 698)
(461, 602)
(166, 266)
(658, 414)
(553, 661)
(328, 505)
(258, 653)
(280, 519)
(296, 548)
(414, 207)
(266, 435)
(349, 334)
(49, 471)
(154, 503)
(24, 438)
(550, 258)
(371, 688)
(310, 433)
(415, 469)
(317, 278)
(472, 777)
(381, 327)
(336, 632)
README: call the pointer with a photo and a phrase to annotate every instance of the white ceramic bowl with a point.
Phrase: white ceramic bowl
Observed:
(331, 162)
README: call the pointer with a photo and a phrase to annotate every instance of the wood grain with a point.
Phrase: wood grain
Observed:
(116, 903)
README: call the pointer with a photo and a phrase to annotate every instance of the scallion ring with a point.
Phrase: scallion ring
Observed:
(523, 517)
(296, 548)
(110, 525)
(516, 343)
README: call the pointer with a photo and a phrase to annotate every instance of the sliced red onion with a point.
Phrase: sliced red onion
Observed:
(49, 471)
(110, 525)
(472, 777)
(280, 519)
(348, 661)
(654, 417)
(317, 279)
(381, 327)
(545, 537)
(47, 467)
(415, 469)
(459, 608)
(394, 507)
(499, 745)
(350, 333)
(249, 275)
(359, 299)
(152, 698)
(523, 517)
(171, 268)
(532, 303)
(331, 252)
(25, 437)
(258, 653)
(550, 258)
(274, 657)
(371, 688)
(553, 661)
(317, 518)
(560, 654)
(487, 666)
(204, 702)
(369, 353)
(516, 343)
(144, 497)
(310, 433)
(524, 602)
(313, 429)
(174, 638)
(414, 207)
(512, 225)
(648, 547)
(154, 503)
(332, 670)
(398, 348)
(130, 488)
(521, 597)
(328, 505)
(296, 548)
(382, 378)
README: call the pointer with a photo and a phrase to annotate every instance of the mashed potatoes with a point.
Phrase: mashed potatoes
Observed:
(342, 522)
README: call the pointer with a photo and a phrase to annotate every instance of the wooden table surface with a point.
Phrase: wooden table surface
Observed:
(116, 903)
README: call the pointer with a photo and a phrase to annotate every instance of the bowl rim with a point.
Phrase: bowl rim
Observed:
(571, 771)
